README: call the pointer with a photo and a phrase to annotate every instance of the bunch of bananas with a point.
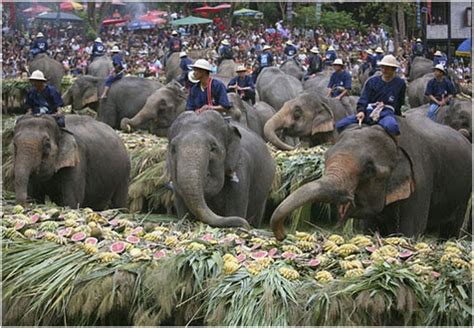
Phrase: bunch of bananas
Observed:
(49, 236)
(330, 246)
(292, 249)
(254, 268)
(50, 226)
(70, 223)
(422, 247)
(304, 236)
(347, 249)
(107, 257)
(18, 209)
(384, 253)
(265, 262)
(396, 241)
(339, 240)
(354, 273)
(230, 267)
(154, 236)
(30, 233)
(195, 247)
(305, 245)
(324, 276)
(289, 273)
(361, 241)
(171, 241)
(89, 249)
(349, 265)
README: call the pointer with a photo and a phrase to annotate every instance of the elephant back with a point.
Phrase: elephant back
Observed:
(51, 68)
(227, 68)
(100, 67)
(275, 87)
(293, 68)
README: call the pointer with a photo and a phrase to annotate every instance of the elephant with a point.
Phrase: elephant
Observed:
(457, 115)
(423, 183)
(160, 110)
(172, 69)
(252, 117)
(125, 98)
(318, 83)
(310, 116)
(52, 69)
(100, 67)
(84, 165)
(275, 87)
(293, 68)
(227, 69)
(419, 67)
(201, 149)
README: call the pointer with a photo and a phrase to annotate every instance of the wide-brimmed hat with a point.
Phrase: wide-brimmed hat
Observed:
(266, 47)
(438, 53)
(314, 50)
(369, 51)
(331, 48)
(192, 78)
(39, 35)
(98, 40)
(115, 49)
(241, 68)
(174, 33)
(37, 76)
(440, 67)
(290, 43)
(182, 54)
(418, 40)
(390, 61)
(379, 50)
(225, 42)
(338, 61)
(202, 64)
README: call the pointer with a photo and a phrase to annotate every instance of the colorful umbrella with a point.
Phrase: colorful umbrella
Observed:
(191, 20)
(36, 9)
(246, 12)
(106, 22)
(208, 9)
(70, 5)
(464, 49)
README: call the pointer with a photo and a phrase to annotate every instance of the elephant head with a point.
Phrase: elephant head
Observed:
(459, 117)
(365, 171)
(161, 109)
(84, 92)
(201, 149)
(308, 115)
(41, 149)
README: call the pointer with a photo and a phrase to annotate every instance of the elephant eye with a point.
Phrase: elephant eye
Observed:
(214, 148)
(46, 147)
(298, 113)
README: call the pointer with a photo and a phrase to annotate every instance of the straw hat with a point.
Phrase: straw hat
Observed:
(225, 42)
(440, 67)
(202, 64)
(98, 40)
(338, 61)
(266, 47)
(390, 61)
(241, 68)
(37, 76)
(314, 50)
(370, 52)
(289, 43)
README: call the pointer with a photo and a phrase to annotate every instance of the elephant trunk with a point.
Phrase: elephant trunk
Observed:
(23, 168)
(143, 116)
(337, 186)
(274, 124)
(190, 183)
(67, 97)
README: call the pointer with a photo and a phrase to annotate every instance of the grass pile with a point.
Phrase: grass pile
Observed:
(79, 267)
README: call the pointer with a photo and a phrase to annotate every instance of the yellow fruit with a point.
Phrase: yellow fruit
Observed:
(154, 236)
(322, 259)
(162, 229)
(336, 239)
(107, 257)
(289, 273)
(30, 233)
(292, 249)
(230, 267)
(421, 269)
(70, 223)
(361, 241)
(347, 249)
(304, 236)
(354, 273)
(55, 238)
(395, 241)
(18, 209)
(90, 249)
(452, 250)
(256, 240)
(458, 263)
(305, 245)
(196, 247)
(92, 224)
(324, 276)
(422, 247)
(264, 262)
(171, 241)
(349, 265)
(125, 222)
(135, 252)
(330, 246)
(254, 268)
(230, 258)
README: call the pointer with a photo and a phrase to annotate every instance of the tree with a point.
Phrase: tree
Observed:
(96, 13)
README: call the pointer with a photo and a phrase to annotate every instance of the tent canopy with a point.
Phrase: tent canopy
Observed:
(36, 9)
(70, 5)
(191, 20)
(464, 49)
(208, 9)
(62, 16)
(247, 12)
(139, 25)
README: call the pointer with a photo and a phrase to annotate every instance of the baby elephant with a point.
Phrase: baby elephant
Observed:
(203, 149)
(86, 165)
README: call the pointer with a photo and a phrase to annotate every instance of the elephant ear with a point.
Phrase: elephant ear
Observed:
(402, 180)
(233, 148)
(68, 155)
(91, 94)
(325, 122)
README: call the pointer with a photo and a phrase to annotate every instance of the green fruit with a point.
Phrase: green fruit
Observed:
(18, 209)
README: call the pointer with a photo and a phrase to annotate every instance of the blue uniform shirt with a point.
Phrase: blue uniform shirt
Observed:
(377, 58)
(440, 89)
(340, 79)
(443, 60)
(390, 93)
(184, 64)
(98, 49)
(48, 98)
(265, 59)
(331, 55)
(117, 60)
(243, 83)
(290, 50)
(39, 45)
(174, 44)
(198, 97)
(315, 64)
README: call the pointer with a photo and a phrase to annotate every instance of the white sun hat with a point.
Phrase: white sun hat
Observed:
(314, 50)
(182, 54)
(241, 68)
(115, 49)
(98, 40)
(266, 47)
(174, 33)
(390, 61)
(379, 50)
(440, 67)
(37, 76)
(338, 61)
(438, 53)
(225, 42)
(202, 64)
(39, 35)
(331, 48)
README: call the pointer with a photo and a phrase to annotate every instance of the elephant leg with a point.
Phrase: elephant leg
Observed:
(107, 113)
(120, 196)
(453, 224)
(72, 186)
(413, 214)
(236, 197)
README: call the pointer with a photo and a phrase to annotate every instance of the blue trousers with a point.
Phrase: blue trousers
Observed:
(112, 78)
(433, 111)
(387, 121)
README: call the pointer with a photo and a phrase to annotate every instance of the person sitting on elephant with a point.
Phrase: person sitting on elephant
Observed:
(340, 83)
(381, 99)
(243, 85)
(225, 52)
(330, 56)
(440, 58)
(98, 49)
(174, 44)
(117, 72)
(184, 65)
(290, 50)
(440, 90)
(418, 50)
(43, 98)
(315, 63)
(38, 46)
(368, 61)
(209, 94)
(375, 60)
(265, 59)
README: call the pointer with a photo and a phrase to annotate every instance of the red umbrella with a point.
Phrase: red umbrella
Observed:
(222, 6)
(36, 9)
(152, 18)
(208, 9)
(70, 5)
(106, 22)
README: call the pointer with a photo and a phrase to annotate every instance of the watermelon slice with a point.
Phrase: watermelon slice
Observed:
(78, 236)
(159, 254)
(118, 247)
(207, 237)
(114, 222)
(241, 257)
(314, 262)
(136, 230)
(19, 224)
(272, 252)
(133, 239)
(435, 274)
(370, 249)
(288, 255)
(259, 255)
(405, 254)
(34, 218)
(91, 241)
(64, 232)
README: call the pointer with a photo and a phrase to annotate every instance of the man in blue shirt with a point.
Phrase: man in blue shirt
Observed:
(418, 50)
(375, 60)
(439, 58)
(39, 45)
(243, 84)
(315, 63)
(265, 59)
(225, 51)
(117, 73)
(98, 49)
(184, 65)
(381, 99)
(439, 90)
(330, 56)
(174, 44)
(340, 84)
(43, 98)
(290, 50)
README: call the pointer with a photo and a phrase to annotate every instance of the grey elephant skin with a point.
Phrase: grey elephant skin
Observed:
(85, 165)
(160, 110)
(422, 185)
(293, 68)
(125, 98)
(226, 69)
(252, 117)
(457, 115)
(311, 117)
(52, 69)
(275, 87)
(201, 149)
(100, 67)
(419, 67)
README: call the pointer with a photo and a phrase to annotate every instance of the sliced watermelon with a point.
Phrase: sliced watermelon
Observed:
(114, 222)
(272, 252)
(133, 239)
(91, 241)
(34, 218)
(64, 232)
(370, 249)
(435, 274)
(78, 236)
(118, 247)
(406, 254)
(159, 254)
(208, 237)
(136, 230)
(19, 224)
(314, 262)
(288, 255)
(241, 257)
(259, 255)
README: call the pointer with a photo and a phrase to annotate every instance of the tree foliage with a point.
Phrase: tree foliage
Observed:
(330, 20)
